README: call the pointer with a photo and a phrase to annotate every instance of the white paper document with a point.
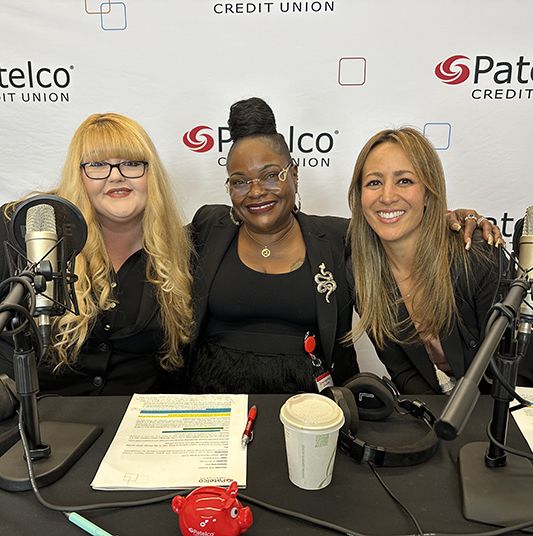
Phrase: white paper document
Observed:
(177, 441)
(524, 417)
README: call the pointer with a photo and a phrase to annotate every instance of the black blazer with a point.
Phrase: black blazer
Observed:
(212, 232)
(409, 365)
(113, 361)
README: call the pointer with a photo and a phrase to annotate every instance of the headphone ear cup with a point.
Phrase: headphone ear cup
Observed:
(8, 398)
(344, 399)
(374, 398)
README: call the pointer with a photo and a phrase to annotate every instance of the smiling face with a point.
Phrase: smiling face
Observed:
(117, 200)
(263, 210)
(392, 196)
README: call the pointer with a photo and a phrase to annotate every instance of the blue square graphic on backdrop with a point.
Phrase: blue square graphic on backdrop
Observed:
(439, 134)
(115, 18)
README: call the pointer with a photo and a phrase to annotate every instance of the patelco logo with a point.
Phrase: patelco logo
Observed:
(451, 72)
(198, 141)
(489, 78)
(34, 82)
(314, 147)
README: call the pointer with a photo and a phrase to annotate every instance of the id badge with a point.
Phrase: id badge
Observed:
(323, 380)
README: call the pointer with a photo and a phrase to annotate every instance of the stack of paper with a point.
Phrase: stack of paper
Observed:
(177, 441)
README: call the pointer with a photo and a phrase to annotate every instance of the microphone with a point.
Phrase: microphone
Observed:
(41, 242)
(48, 231)
(52, 227)
(525, 269)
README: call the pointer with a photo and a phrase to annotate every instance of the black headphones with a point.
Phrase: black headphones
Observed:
(370, 398)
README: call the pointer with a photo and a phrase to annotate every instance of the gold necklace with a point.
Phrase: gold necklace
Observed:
(266, 247)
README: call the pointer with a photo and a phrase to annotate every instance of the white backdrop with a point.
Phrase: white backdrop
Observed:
(334, 71)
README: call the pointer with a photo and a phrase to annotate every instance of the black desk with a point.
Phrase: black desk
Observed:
(354, 499)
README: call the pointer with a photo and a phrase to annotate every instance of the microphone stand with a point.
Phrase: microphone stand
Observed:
(69, 440)
(496, 489)
(27, 382)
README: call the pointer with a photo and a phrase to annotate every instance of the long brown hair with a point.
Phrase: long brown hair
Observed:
(377, 296)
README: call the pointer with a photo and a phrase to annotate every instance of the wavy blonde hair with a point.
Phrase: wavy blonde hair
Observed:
(165, 241)
(377, 296)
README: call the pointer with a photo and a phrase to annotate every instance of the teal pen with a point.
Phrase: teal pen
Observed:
(85, 524)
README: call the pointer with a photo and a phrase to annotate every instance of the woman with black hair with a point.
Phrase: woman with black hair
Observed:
(267, 275)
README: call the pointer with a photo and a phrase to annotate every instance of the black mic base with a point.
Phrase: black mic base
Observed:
(68, 442)
(500, 495)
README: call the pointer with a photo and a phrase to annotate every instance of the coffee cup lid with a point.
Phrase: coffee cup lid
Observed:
(311, 411)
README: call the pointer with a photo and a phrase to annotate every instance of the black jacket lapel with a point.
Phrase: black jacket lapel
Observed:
(318, 253)
(219, 237)
(453, 350)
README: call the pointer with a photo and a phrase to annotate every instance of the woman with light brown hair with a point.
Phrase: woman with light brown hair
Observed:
(422, 297)
(134, 285)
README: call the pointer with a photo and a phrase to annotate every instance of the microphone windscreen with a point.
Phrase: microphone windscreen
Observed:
(525, 251)
(41, 218)
(69, 223)
(527, 229)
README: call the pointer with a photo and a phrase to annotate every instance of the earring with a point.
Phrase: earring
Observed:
(232, 217)
(298, 204)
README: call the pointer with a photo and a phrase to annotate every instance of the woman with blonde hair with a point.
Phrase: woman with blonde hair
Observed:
(134, 284)
(422, 297)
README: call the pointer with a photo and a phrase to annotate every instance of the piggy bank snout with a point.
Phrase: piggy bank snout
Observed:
(245, 518)
(177, 503)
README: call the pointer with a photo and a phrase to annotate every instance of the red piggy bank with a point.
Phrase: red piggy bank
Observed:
(212, 511)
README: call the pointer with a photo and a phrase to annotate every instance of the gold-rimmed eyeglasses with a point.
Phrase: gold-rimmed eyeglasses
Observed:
(269, 179)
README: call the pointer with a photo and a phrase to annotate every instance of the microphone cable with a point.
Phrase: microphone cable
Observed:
(79, 508)
(506, 448)
(23, 279)
(411, 516)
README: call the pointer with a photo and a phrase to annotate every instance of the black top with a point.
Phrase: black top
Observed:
(324, 237)
(120, 356)
(255, 331)
(243, 299)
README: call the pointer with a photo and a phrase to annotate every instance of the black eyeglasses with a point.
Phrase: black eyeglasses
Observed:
(129, 169)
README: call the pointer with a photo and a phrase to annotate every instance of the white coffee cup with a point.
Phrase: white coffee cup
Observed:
(311, 423)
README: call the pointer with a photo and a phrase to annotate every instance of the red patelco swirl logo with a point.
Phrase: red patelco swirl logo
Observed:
(198, 141)
(451, 72)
